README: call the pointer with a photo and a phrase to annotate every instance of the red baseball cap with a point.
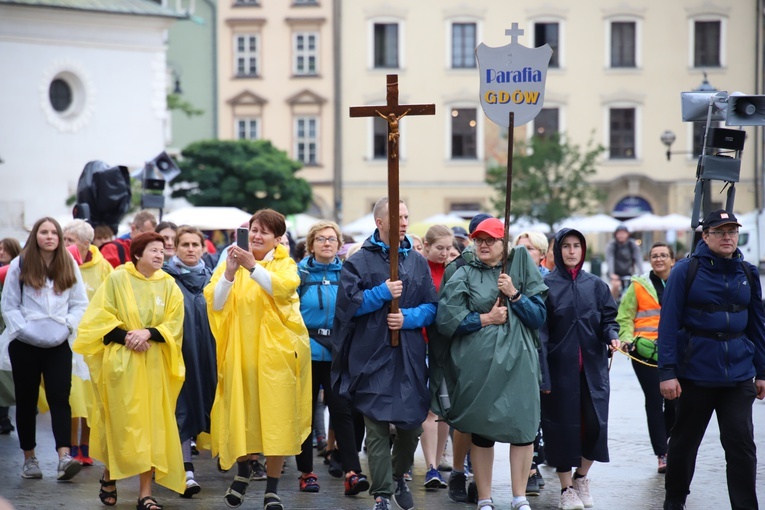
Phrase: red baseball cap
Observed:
(491, 226)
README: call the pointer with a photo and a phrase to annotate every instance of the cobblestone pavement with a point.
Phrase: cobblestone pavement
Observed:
(629, 481)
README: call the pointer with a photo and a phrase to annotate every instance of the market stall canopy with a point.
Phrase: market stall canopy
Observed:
(590, 224)
(300, 224)
(450, 220)
(363, 226)
(209, 218)
(651, 222)
(526, 225)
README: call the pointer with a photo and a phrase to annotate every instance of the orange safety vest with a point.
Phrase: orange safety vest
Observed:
(647, 317)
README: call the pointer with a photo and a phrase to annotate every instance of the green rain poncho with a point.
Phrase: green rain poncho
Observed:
(492, 374)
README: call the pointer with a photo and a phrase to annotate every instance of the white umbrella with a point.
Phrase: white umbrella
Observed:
(676, 222)
(209, 218)
(300, 224)
(526, 225)
(646, 223)
(590, 224)
(445, 219)
(363, 226)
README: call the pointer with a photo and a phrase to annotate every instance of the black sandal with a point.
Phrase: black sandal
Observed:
(148, 503)
(104, 494)
(272, 501)
(234, 496)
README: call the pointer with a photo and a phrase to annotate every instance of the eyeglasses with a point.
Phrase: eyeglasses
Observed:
(660, 256)
(719, 234)
(322, 239)
(488, 241)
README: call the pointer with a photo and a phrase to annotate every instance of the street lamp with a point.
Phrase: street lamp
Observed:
(668, 138)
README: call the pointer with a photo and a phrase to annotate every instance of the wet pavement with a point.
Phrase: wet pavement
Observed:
(629, 481)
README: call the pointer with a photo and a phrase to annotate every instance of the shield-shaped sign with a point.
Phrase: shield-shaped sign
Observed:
(512, 80)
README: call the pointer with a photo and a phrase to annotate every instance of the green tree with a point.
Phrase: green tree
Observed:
(550, 180)
(247, 174)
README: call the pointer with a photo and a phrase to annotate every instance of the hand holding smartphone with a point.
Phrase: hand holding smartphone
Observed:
(243, 238)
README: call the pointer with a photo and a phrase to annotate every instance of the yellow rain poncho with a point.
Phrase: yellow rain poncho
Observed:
(263, 398)
(133, 423)
(94, 272)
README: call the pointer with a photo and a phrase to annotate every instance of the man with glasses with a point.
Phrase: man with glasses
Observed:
(712, 358)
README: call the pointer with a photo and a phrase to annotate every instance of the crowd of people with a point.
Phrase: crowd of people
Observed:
(148, 347)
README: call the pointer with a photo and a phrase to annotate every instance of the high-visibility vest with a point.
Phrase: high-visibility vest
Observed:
(647, 317)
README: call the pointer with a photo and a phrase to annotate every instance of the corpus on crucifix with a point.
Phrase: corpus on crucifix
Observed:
(393, 112)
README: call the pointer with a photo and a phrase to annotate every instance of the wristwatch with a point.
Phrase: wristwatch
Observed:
(515, 296)
(251, 269)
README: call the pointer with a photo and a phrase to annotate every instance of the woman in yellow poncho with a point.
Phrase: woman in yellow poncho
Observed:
(263, 398)
(94, 269)
(131, 339)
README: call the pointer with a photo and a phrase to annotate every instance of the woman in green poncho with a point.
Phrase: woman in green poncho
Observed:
(490, 362)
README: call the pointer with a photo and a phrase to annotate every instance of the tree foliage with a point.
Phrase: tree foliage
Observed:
(550, 180)
(247, 174)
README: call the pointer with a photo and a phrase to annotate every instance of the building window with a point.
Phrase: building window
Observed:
(386, 45)
(61, 96)
(379, 138)
(548, 33)
(307, 140)
(464, 126)
(622, 133)
(247, 129)
(247, 2)
(623, 44)
(246, 55)
(463, 45)
(306, 2)
(305, 49)
(546, 123)
(706, 44)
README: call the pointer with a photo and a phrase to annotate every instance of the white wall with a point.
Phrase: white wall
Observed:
(119, 62)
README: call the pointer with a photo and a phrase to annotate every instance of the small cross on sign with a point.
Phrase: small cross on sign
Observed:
(514, 32)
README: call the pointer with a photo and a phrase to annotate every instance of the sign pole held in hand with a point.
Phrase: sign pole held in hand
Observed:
(512, 94)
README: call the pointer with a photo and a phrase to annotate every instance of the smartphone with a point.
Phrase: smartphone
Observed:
(243, 238)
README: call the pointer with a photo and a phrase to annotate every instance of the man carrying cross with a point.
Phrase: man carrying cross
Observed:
(386, 383)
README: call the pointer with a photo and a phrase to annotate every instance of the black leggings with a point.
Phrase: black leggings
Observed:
(659, 412)
(54, 365)
(485, 442)
(341, 416)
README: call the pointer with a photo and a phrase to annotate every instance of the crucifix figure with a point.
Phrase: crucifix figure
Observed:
(392, 112)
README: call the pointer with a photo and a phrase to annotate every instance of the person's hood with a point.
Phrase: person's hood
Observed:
(311, 265)
(374, 243)
(558, 253)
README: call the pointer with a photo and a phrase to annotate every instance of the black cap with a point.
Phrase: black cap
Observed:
(720, 217)
(460, 232)
(621, 228)
(477, 219)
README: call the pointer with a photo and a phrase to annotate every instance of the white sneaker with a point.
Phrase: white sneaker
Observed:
(582, 488)
(192, 487)
(67, 468)
(31, 469)
(569, 500)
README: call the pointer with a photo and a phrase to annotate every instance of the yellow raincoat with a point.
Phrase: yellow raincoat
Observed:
(133, 423)
(263, 398)
(94, 272)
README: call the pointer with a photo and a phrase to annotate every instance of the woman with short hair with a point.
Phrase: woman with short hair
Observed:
(263, 399)
(195, 401)
(131, 339)
(94, 268)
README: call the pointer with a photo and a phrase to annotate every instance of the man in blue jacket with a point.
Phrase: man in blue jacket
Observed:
(387, 384)
(712, 358)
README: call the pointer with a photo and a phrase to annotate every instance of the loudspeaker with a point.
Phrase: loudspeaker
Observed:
(730, 139)
(694, 106)
(745, 110)
(166, 166)
(719, 168)
(81, 211)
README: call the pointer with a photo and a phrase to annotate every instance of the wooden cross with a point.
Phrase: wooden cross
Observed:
(392, 112)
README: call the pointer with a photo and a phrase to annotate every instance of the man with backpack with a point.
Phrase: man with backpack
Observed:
(117, 252)
(623, 256)
(712, 358)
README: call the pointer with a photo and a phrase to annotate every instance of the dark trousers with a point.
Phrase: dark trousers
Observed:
(660, 413)
(341, 415)
(733, 406)
(54, 365)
